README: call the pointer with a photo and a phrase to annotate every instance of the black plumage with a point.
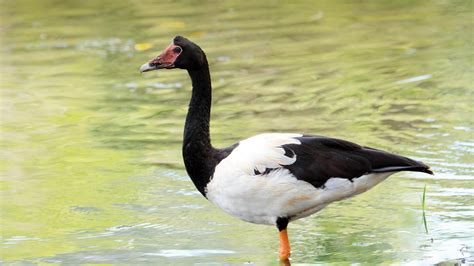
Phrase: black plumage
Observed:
(319, 158)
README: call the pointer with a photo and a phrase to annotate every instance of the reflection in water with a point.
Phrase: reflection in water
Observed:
(188, 253)
(91, 150)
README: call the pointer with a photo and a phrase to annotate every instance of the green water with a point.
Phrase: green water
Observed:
(91, 149)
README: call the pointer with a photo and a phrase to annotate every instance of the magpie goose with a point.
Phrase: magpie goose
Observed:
(271, 178)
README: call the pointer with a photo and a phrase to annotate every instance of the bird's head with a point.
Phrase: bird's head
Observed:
(181, 53)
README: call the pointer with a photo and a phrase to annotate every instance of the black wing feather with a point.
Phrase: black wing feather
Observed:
(319, 158)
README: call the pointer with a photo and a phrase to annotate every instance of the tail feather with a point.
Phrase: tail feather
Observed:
(424, 169)
(383, 162)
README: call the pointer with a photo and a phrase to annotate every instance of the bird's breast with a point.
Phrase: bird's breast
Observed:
(261, 199)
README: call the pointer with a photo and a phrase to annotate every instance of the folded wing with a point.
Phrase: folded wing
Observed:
(320, 158)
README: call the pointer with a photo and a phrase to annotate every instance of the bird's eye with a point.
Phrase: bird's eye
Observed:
(177, 50)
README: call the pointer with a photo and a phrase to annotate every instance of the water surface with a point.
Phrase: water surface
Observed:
(91, 149)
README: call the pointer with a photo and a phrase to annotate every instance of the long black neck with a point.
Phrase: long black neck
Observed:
(197, 148)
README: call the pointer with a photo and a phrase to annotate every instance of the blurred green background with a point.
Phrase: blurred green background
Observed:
(91, 149)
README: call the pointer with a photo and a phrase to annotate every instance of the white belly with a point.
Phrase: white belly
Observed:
(262, 199)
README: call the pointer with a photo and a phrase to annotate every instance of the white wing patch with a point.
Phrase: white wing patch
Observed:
(258, 153)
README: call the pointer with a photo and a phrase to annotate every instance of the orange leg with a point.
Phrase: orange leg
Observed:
(284, 246)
